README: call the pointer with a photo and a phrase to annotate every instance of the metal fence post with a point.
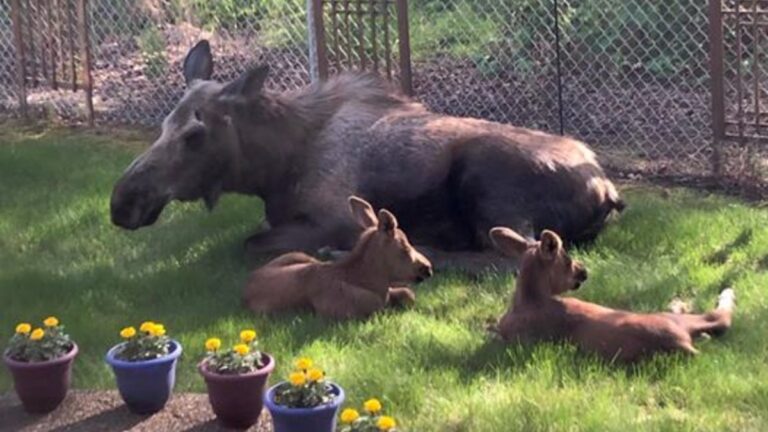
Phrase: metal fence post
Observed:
(558, 68)
(312, 41)
(318, 59)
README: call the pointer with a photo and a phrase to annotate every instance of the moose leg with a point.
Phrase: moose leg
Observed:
(472, 263)
(400, 297)
(287, 238)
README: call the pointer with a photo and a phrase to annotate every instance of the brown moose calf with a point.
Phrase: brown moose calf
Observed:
(539, 313)
(363, 282)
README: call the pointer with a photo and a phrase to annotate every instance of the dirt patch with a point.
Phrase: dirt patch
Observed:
(89, 411)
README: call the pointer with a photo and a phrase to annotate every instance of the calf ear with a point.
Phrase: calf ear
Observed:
(249, 84)
(387, 222)
(509, 242)
(198, 65)
(550, 244)
(363, 212)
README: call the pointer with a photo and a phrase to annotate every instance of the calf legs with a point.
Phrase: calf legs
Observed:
(715, 322)
(348, 301)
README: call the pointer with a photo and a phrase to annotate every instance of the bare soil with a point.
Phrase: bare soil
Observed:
(90, 411)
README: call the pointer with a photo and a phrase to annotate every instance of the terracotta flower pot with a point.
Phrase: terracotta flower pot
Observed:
(321, 418)
(42, 386)
(237, 400)
(145, 385)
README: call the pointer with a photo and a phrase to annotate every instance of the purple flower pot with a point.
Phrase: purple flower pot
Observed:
(146, 385)
(42, 386)
(318, 419)
(237, 400)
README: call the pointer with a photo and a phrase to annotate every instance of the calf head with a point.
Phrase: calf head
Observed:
(544, 265)
(387, 244)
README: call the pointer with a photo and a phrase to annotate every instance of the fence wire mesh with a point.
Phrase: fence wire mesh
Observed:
(7, 52)
(629, 77)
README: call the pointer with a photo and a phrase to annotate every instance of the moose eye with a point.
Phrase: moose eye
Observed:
(197, 115)
(194, 140)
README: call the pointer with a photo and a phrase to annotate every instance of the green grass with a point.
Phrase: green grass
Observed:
(432, 366)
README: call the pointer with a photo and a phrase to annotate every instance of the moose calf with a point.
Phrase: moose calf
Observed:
(539, 313)
(364, 281)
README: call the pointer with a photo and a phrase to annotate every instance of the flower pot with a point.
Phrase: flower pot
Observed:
(42, 386)
(318, 419)
(237, 400)
(146, 385)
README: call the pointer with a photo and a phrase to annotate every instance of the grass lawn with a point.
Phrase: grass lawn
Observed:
(433, 366)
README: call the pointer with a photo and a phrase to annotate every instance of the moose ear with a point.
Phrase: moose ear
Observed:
(550, 244)
(509, 242)
(387, 222)
(198, 65)
(363, 212)
(249, 84)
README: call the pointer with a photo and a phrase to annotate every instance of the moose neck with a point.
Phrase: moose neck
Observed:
(528, 287)
(274, 133)
(364, 268)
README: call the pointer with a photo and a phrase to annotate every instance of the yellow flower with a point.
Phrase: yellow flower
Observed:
(304, 363)
(349, 416)
(298, 379)
(242, 349)
(51, 321)
(372, 406)
(37, 334)
(147, 326)
(386, 423)
(157, 330)
(127, 332)
(315, 374)
(247, 336)
(23, 328)
(213, 344)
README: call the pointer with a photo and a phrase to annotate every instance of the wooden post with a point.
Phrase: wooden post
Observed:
(716, 79)
(85, 57)
(406, 82)
(18, 41)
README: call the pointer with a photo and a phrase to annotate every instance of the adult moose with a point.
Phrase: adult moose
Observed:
(448, 179)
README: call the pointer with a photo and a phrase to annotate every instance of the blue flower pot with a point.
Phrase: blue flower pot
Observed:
(318, 419)
(145, 386)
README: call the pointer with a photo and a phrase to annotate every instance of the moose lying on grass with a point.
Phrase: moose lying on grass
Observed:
(538, 313)
(448, 179)
(363, 282)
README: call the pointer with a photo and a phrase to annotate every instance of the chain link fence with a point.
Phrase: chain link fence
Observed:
(629, 77)
(7, 93)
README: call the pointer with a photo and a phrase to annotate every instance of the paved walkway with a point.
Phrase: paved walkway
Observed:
(90, 411)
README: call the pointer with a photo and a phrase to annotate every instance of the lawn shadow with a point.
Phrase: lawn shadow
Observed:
(15, 418)
(762, 264)
(117, 418)
(211, 425)
(720, 256)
